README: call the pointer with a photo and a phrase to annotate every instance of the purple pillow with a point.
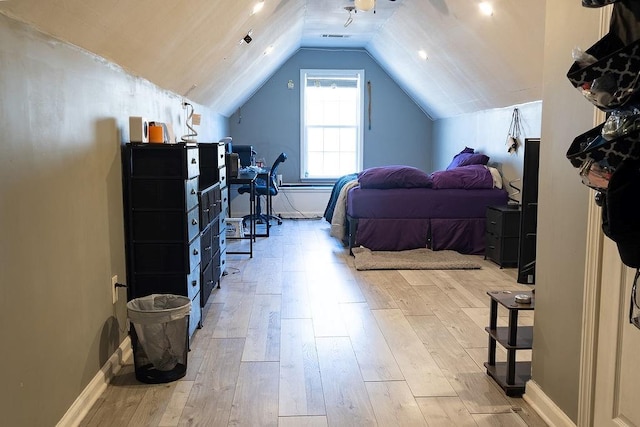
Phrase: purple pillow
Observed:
(464, 177)
(465, 159)
(393, 177)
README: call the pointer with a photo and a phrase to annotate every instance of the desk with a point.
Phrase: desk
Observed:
(263, 174)
(247, 177)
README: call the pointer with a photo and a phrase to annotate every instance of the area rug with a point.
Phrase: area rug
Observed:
(414, 259)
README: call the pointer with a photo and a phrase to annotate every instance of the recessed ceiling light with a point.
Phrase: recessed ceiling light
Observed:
(422, 54)
(258, 7)
(268, 50)
(365, 5)
(486, 8)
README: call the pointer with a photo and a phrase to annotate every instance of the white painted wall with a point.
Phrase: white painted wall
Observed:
(562, 209)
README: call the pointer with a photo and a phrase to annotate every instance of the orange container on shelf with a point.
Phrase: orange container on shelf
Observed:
(156, 134)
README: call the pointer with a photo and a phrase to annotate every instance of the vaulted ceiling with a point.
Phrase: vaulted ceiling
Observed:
(193, 48)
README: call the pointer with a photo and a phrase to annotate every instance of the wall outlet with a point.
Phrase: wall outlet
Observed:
(114, 289)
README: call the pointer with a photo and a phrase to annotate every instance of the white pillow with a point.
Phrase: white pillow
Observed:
(497, 178)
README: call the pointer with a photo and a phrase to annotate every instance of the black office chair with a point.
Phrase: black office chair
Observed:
(261, 190)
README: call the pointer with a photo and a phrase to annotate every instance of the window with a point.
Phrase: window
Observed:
(331, 122)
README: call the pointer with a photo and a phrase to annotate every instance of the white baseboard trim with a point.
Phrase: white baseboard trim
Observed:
(76, 413)
(545, 407)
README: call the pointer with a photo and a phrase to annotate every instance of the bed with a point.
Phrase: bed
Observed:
(397, 208)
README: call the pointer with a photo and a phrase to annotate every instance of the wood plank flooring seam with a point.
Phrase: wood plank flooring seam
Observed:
(354, 347)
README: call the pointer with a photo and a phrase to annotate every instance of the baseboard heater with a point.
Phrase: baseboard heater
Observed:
(292, 201)
(301, 200)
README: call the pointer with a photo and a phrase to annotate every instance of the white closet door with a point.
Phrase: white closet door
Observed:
(617, 380)
(610, 372)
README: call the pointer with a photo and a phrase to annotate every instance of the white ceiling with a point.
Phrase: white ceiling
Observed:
(193, 47)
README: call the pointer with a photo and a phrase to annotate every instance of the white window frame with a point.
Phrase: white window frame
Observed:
(328, 73)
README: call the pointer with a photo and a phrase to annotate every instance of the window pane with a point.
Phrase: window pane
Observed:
(332, 107)
(314, 164)
(347, 163)
(315, 110)
(348, 140)
(348, 112)
(332, 160)
(331, 113)
(332, 139)
(315, 139)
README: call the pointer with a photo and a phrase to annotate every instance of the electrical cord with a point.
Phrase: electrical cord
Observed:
(293, 207)
(235, 271)
(516, 192)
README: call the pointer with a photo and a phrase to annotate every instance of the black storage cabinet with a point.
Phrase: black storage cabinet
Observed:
(162, 222)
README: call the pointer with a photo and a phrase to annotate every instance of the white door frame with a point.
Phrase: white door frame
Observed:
(590, 315)
(592, 287)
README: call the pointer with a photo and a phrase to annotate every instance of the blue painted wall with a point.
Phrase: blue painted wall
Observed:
(270, 121)
(486, 131)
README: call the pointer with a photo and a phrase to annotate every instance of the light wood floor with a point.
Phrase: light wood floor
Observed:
(297, 337)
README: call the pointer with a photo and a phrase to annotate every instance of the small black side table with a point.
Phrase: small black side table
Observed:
(510, 375)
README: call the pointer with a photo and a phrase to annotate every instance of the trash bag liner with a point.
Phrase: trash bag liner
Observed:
(160, 333)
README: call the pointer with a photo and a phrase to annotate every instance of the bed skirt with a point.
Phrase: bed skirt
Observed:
(464, 235)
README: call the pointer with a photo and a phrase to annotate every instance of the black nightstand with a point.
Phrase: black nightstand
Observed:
(502, 235)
